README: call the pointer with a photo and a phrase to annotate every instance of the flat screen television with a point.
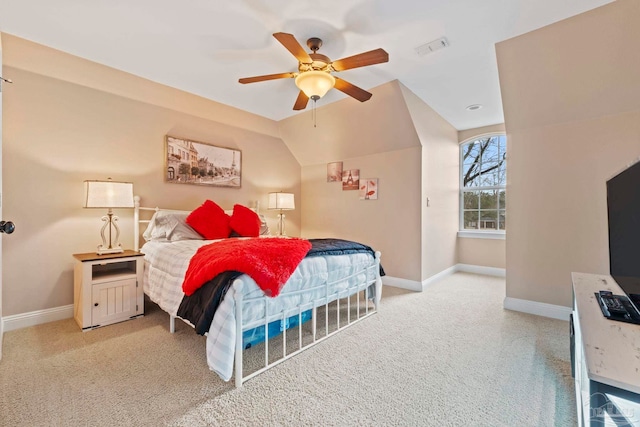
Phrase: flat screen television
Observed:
(623, 207)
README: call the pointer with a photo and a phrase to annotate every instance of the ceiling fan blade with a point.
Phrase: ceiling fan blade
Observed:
(289, 41)
(301, 102)
(352, 90)
(376, 56)
(267, 77)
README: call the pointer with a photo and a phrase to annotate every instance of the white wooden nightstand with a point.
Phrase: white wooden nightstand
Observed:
(107, 288)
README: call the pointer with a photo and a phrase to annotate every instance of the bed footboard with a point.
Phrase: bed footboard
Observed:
(371, 290)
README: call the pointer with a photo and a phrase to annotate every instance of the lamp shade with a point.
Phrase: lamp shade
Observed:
(108, 194)
(315, 83)
(282, 201)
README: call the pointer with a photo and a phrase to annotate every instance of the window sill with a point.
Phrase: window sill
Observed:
(496, 235)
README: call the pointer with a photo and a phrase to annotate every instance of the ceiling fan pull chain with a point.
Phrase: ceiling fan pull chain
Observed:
(313, 113)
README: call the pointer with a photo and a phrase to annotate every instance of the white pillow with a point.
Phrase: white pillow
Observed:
(170, 226)
(264, 227)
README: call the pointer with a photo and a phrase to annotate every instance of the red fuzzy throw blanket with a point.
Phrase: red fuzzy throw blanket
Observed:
(268, 261)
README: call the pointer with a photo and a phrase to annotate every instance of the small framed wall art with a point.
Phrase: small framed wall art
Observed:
(334, 172)
(369, 189)
(351, 179)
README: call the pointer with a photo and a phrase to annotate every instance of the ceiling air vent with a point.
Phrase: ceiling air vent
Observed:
(430, 47)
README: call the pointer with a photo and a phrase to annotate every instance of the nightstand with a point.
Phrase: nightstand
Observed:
(107, 288)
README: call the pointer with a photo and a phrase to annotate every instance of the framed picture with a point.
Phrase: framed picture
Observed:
(369, 189)
(351, 179)
(199, 163)
(334, 172)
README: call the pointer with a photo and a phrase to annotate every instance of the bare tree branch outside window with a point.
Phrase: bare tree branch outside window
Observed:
(483, 178)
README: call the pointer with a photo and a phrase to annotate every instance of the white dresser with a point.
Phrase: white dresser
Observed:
(606, 356)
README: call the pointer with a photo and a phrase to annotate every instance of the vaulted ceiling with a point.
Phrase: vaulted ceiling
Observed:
(204, 47)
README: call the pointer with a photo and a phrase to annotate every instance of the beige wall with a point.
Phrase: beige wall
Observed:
(34, 57)
(571, 97)
(439, 177)
(349, 129)
(60, 130)
(388, 224)
(482, 252)
(378, 138)
(477, 251)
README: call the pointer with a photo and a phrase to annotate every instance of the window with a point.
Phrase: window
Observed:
(483, 179)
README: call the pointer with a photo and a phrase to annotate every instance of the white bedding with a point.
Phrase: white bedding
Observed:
(166, 264)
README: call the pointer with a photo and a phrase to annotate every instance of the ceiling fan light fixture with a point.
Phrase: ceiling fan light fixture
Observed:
(315, 84)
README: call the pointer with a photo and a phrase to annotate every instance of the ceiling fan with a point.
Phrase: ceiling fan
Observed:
(314, 78)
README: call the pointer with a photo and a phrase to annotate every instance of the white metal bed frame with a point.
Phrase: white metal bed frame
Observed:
(325, 300)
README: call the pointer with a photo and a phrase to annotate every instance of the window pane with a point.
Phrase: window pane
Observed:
(489, 220)
(489, 199)
(471, 199)
(470, 152)
(470, 220)
(484, 166)
(502, 172)
(470, 176)
(490, 174)
(502, 142)
(491, 150)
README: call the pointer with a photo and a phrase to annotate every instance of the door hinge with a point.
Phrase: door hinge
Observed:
(136, 308)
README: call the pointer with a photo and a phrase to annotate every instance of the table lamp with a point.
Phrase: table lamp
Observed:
(108, 194)
(282, 202)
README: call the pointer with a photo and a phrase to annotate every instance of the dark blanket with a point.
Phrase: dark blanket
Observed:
(339, 247)
(200, 307)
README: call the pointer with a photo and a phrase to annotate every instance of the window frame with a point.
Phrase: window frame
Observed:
(479, 233)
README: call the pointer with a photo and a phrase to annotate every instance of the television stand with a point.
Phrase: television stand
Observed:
(605, 357)
(617, 307)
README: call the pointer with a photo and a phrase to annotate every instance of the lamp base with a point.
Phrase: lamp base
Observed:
(103, 251)
(112, 247)
(281, 225)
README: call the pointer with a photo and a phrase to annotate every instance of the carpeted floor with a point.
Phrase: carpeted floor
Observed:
(449, 356)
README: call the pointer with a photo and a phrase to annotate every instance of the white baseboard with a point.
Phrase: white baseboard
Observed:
(413, 285)
(539, 308)
(38, 317)
(397, 282)
(438, 276)
(479, 269)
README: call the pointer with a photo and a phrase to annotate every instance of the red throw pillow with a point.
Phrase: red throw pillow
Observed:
(245, 222)
(210, 221)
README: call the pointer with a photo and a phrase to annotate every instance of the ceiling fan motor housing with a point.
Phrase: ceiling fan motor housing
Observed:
(314, 78)
(320, 63)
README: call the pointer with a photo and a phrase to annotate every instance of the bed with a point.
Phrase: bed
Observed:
(339, 283)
